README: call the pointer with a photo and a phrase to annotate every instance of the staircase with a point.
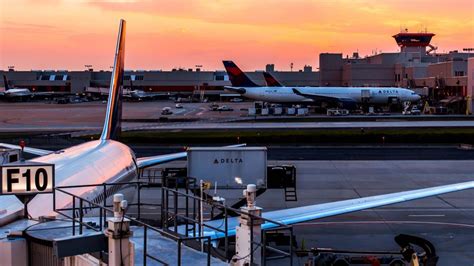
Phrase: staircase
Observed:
(290, 194)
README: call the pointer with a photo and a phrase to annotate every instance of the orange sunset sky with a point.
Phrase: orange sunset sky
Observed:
(68, 34)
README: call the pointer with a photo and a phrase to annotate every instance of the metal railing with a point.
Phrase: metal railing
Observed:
(190, 219)
(76, 214)
(172, 216)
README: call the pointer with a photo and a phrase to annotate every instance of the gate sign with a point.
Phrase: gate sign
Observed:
(26, 178)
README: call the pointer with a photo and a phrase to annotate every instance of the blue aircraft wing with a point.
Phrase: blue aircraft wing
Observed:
(318, 211)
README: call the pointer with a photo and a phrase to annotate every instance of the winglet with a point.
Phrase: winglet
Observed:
(236, 76)
(271, 80)
(297, 92)
(6, 82)
(113, 117)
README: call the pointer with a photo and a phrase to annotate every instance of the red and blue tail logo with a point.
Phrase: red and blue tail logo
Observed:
(237, 77)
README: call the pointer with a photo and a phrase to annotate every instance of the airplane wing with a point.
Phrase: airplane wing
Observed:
(322, 98)
(50, 93)
(235, 89)
(34, 151)
(145, 162)
(318, 211)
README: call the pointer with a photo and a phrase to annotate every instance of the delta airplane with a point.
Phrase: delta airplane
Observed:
(271, 80)
(140, 95)
(20, 94)
(100, 161)
(107, 160)
(348, 97)
(11, 93)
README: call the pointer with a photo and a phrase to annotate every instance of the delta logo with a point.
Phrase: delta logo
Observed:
(228, 160)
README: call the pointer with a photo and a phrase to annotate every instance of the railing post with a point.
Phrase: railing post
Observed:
(81, 214)
(209, 251)
(104, 203)
(226, 229)
(54, 199)
(73, 215)
(291, 245)
(144, 245)
(179, 252)
(100, 218)
(175, 203)
(264, 247)
(139, 202)
(251, 239)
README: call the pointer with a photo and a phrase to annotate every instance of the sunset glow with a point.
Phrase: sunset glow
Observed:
(68, 34)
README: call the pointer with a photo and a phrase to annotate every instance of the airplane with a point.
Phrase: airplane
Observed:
(271, 80)
(14, 93)
(23, 94)
(107, 160)
(140, 95)
(347, 97)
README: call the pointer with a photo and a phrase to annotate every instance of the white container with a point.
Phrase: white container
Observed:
(252, 111)
(278, 111)
(229, 167)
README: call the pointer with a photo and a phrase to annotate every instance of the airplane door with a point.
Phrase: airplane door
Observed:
(365, 96)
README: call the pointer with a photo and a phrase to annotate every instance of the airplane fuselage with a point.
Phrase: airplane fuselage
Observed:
(377, 95)
(94, 162)
(17, 92)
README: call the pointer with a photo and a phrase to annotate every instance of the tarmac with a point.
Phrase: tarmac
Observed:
(41, 117)
(445, 220)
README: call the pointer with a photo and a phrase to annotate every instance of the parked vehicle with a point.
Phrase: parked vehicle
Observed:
(225, 108)
(236, 100)
(166, 111)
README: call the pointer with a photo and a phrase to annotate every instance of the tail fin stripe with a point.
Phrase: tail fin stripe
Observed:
(113, 117)
(236, 76)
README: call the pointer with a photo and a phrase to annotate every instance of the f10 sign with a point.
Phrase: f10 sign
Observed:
(21, 179)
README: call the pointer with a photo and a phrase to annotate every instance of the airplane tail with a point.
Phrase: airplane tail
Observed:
(236, 76)
(7, 87)
(113, 116)
(271, 80)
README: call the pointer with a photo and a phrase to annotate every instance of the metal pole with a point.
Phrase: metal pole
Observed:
(179, 252)
(251, 239)
(226, 228)
(80, 216)
(291, 245)
(144, 245)
(100, 218)
(73, 215)
(201, 211)
(139, 202)
(104, 203)
(264, 247)
(175, 211)
(208, 251)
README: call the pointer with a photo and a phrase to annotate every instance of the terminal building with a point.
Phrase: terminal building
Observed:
(441, 77)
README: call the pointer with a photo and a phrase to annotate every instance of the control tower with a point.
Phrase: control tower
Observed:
(414, 42)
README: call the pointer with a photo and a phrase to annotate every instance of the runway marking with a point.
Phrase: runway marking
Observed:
(387, 222)
(426, 215)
